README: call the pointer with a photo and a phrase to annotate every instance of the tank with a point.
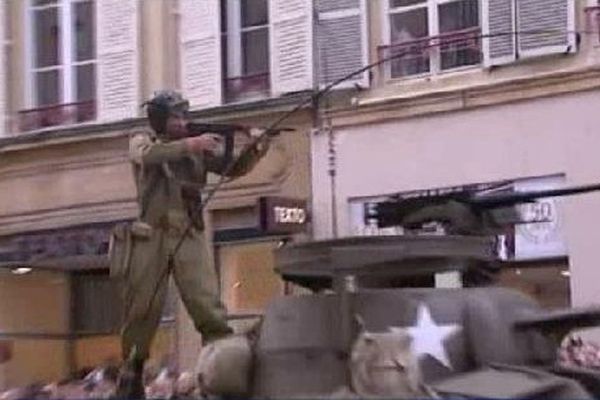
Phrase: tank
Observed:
(360, 332)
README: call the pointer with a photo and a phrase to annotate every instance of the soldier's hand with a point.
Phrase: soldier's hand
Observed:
(207, 142)
(255, 132)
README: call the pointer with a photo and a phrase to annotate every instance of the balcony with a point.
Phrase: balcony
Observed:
(432, 54)
(248, 87)
(56, 115)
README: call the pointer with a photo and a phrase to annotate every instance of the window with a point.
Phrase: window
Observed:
(432, 35)
(245, 41)
(62, 63)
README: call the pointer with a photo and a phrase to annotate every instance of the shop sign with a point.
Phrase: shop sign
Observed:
(543, 238)
(283, 214)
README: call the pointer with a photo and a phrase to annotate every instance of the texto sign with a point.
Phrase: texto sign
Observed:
(282, 214)
(289, 215)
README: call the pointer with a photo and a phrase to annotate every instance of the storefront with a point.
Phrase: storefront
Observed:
(58, 303)
(530, 145)
(244, 254)
(61, 194)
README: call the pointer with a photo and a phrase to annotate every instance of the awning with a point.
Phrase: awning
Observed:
(75, 248)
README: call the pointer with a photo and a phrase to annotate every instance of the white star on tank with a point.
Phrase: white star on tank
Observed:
(428, 337)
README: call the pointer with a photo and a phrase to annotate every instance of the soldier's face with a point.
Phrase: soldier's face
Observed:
(176, 126)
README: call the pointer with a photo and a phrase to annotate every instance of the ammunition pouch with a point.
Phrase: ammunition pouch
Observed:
(122, 240)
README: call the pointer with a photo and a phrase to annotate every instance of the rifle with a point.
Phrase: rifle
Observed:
(227, 131)
(200, 128)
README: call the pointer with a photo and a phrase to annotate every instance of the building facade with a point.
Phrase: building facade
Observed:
(473, 95)
(462, 94)
(73, 75)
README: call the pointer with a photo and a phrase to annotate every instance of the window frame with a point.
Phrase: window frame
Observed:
(237, 85)
(67, 55)
(435, 59)
(234, 33)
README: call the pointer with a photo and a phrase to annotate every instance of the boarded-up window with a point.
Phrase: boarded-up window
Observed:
(248, 279)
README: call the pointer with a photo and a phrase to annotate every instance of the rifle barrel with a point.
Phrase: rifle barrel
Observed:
(200, 128)
(511, 199)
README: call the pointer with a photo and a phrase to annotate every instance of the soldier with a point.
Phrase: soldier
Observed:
(170, 171)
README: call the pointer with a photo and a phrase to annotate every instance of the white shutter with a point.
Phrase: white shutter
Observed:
(545, 27)
(291, 45)
(200, 49)
(342, 41)
(498, 28)
(3, 81)
(118, 59)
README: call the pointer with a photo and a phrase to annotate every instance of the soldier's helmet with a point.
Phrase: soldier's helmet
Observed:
(163, 104)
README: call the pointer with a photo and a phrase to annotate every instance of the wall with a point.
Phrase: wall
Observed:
(157, 40)
(15, 60)
(34, 303)
(52, 186)
(530, 138)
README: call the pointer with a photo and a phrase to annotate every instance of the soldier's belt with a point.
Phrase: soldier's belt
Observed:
(175, 223)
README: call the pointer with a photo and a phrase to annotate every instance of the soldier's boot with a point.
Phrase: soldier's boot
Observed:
(130, 384)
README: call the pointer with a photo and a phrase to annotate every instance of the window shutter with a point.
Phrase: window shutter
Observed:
(342, 41)
(554, 20)
(498, 27)
(291, 45)
(3, 81)
(118, 59)
(200, 49)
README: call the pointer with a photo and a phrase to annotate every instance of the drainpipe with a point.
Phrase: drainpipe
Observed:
(319, 125)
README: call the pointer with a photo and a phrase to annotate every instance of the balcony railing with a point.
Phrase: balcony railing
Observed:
(56, 115)
(247, 87)
(455, 49)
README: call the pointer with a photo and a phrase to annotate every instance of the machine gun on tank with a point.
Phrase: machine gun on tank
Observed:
(466, 212)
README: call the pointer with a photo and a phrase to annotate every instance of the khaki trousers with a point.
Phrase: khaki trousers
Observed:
(146, 284)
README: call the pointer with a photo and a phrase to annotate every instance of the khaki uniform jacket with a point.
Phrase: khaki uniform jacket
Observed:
(165, 171)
